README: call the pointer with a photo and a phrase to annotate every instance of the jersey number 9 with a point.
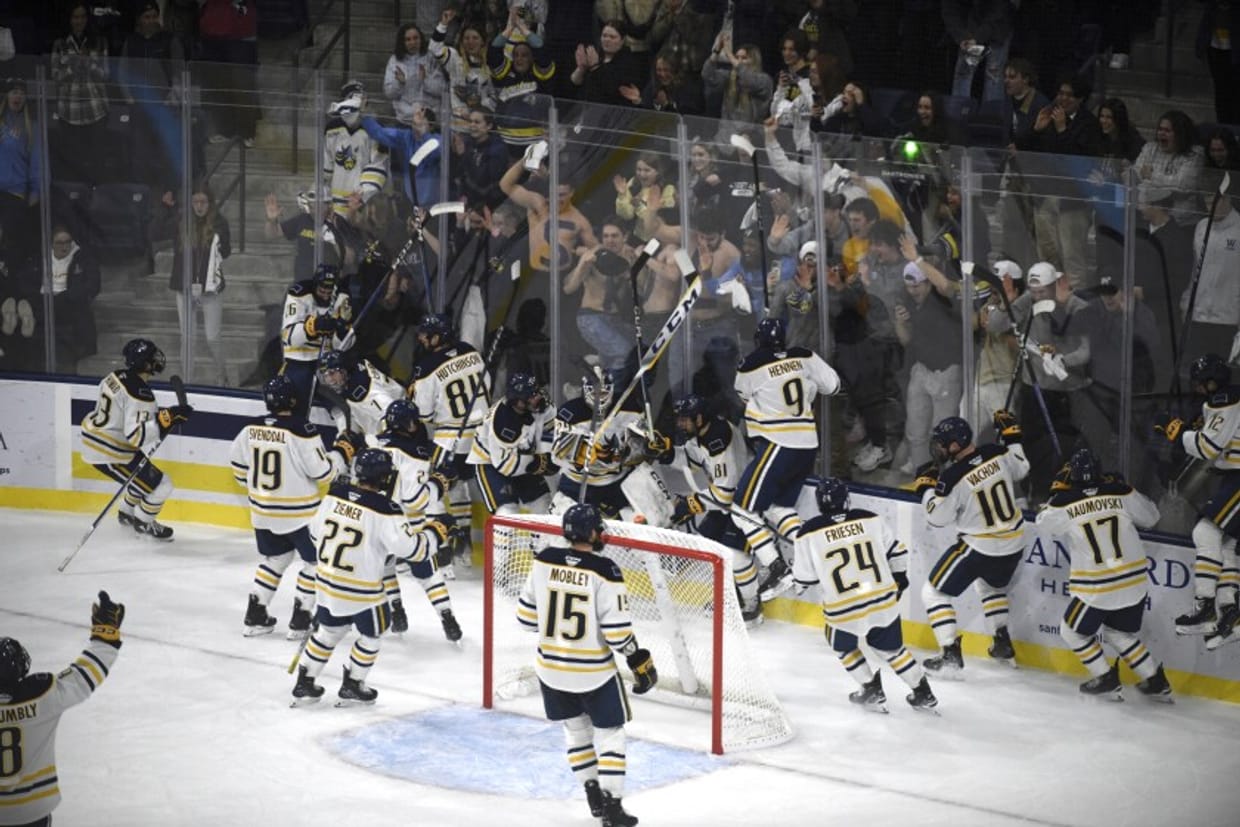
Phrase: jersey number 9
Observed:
(794, 396)
(266, 470)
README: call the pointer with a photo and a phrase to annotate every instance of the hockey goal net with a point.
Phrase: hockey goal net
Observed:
(684, 609)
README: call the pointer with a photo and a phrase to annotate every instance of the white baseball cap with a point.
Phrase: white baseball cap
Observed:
(1009, 268)
(913, 273)
(807, 249)
(1043, 274)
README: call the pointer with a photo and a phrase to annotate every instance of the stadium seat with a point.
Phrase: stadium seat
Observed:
(71, 207)
(120, 215)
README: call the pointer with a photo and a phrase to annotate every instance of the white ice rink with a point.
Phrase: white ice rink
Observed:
(193, 726)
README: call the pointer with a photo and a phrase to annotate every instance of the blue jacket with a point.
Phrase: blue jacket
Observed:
(20, 163)
(403, 143)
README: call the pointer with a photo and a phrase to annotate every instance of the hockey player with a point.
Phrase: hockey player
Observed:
(509, 463)
(860, 571)
(125, 424)
(356, 529)
(29, 789)
(420, 492)
(1097, 518)
(778, 385)
(280, 461)
(711, 445)
(316, 318)
(576, 600)
(367, 390)
(354, 164)
(976, 492)
(450, 388)
(1217, 441)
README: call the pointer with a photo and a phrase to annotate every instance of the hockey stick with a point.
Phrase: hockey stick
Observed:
(596, 416)
(1192, 295)
(745, 145)
(327, 337)
(178, 387)
(652, 247)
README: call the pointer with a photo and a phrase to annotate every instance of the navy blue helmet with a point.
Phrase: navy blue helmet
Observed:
(581, 521)
(689, 406)
(326, 275)
(952, 429)
(280, 394)
(522, 387)
(374, 467)
(1210, 367)
(436, 324)
(832, 495)
(402, 415)
(142, 355)
(1084, 469)
(14, 663)
(772, 333)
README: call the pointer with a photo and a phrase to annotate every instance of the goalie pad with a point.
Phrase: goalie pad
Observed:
(649, 496)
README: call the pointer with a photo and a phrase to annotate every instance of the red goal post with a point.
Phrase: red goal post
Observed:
(685, 611)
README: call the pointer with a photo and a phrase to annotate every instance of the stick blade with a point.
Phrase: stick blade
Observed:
(178, 387)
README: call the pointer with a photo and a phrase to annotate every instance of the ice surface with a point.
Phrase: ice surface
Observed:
(193, 727)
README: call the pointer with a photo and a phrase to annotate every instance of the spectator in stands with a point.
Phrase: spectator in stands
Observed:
(1016, 206)
(634, 21)
(1213, 314)
(928, 325)
(603, 70)
(73, 285)
(1024, 102)
(735, 85)
(80, 70)
(882, 267)
(1121, 142)
(528, 349)
(412, 77)
(793, 101)
(748, 268)
(1062, 219)
(149, 73)
(181, 20)
(669, 89)
(825, 24)
(522, 77)
(784, 239)
(683, 33)
(850, 113)
(602, 276)
(1164, 257)
(355, 164)
(982, 29)
(639, 199)
(862, 215)
(20, 348)
(469, 76)
(931, 125)
(1222, 150)
(827, 81)
(996, 352)
(1219, 25)
(209, 245)
(228, 44)
(714, 255)
(795, 300)
(479, 161)
(1173, 161)
(421, 184)
(20, 168)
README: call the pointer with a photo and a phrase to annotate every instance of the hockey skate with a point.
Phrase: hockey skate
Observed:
(257, 620)
(922, 699)
(1001, 649)
(125, 518)
(451, 629)
(400, 620)
(1105, 686)
(778, 580)
(1201, 621)
(614, 814)
(871, 696)
(299, 623)
(594, 798)
(354, 692)
(947, 665)
(1225, 631)
(154, 529)
(752, 614)
(1156, 687)
(306, 691)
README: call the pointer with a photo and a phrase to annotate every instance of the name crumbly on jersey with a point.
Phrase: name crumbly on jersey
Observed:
(16, 714)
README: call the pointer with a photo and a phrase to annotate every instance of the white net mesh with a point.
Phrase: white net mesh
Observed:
(672, 601)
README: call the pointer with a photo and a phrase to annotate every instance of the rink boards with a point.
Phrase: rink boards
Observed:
(40, 468)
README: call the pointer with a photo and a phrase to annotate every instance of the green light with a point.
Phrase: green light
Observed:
(910, 149)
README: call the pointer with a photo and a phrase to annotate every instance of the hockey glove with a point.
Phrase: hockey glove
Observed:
(441, 529)
(1169, 426)
(171, 416)
(541, 465)
(644, 674)
(1007, 427)
(660, 447)
(901, 579)
(927, 478)
(1063, 479)
(687, 508)
(349, 443)
(316, 326)
(105, 620)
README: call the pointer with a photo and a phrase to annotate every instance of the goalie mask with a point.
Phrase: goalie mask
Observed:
(951, 431)
(583, 523)
(598, 392)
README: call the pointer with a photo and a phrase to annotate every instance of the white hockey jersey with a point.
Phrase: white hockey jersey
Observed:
(444, 384)
(507, 441)
(1098, 526)
(578, 604)
(123, 421)
(977, 495)
(851, 558)
(281, 463)
(355, 531)
(352, 162)
(1218, 439)
(416, 492)
(779, 388)
(299, 305)
(574, 427)
(718, 454)
(29, 787)
(368, 393)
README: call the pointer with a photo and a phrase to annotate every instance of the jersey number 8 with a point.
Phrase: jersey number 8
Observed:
(10, 751)
(459, 396)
